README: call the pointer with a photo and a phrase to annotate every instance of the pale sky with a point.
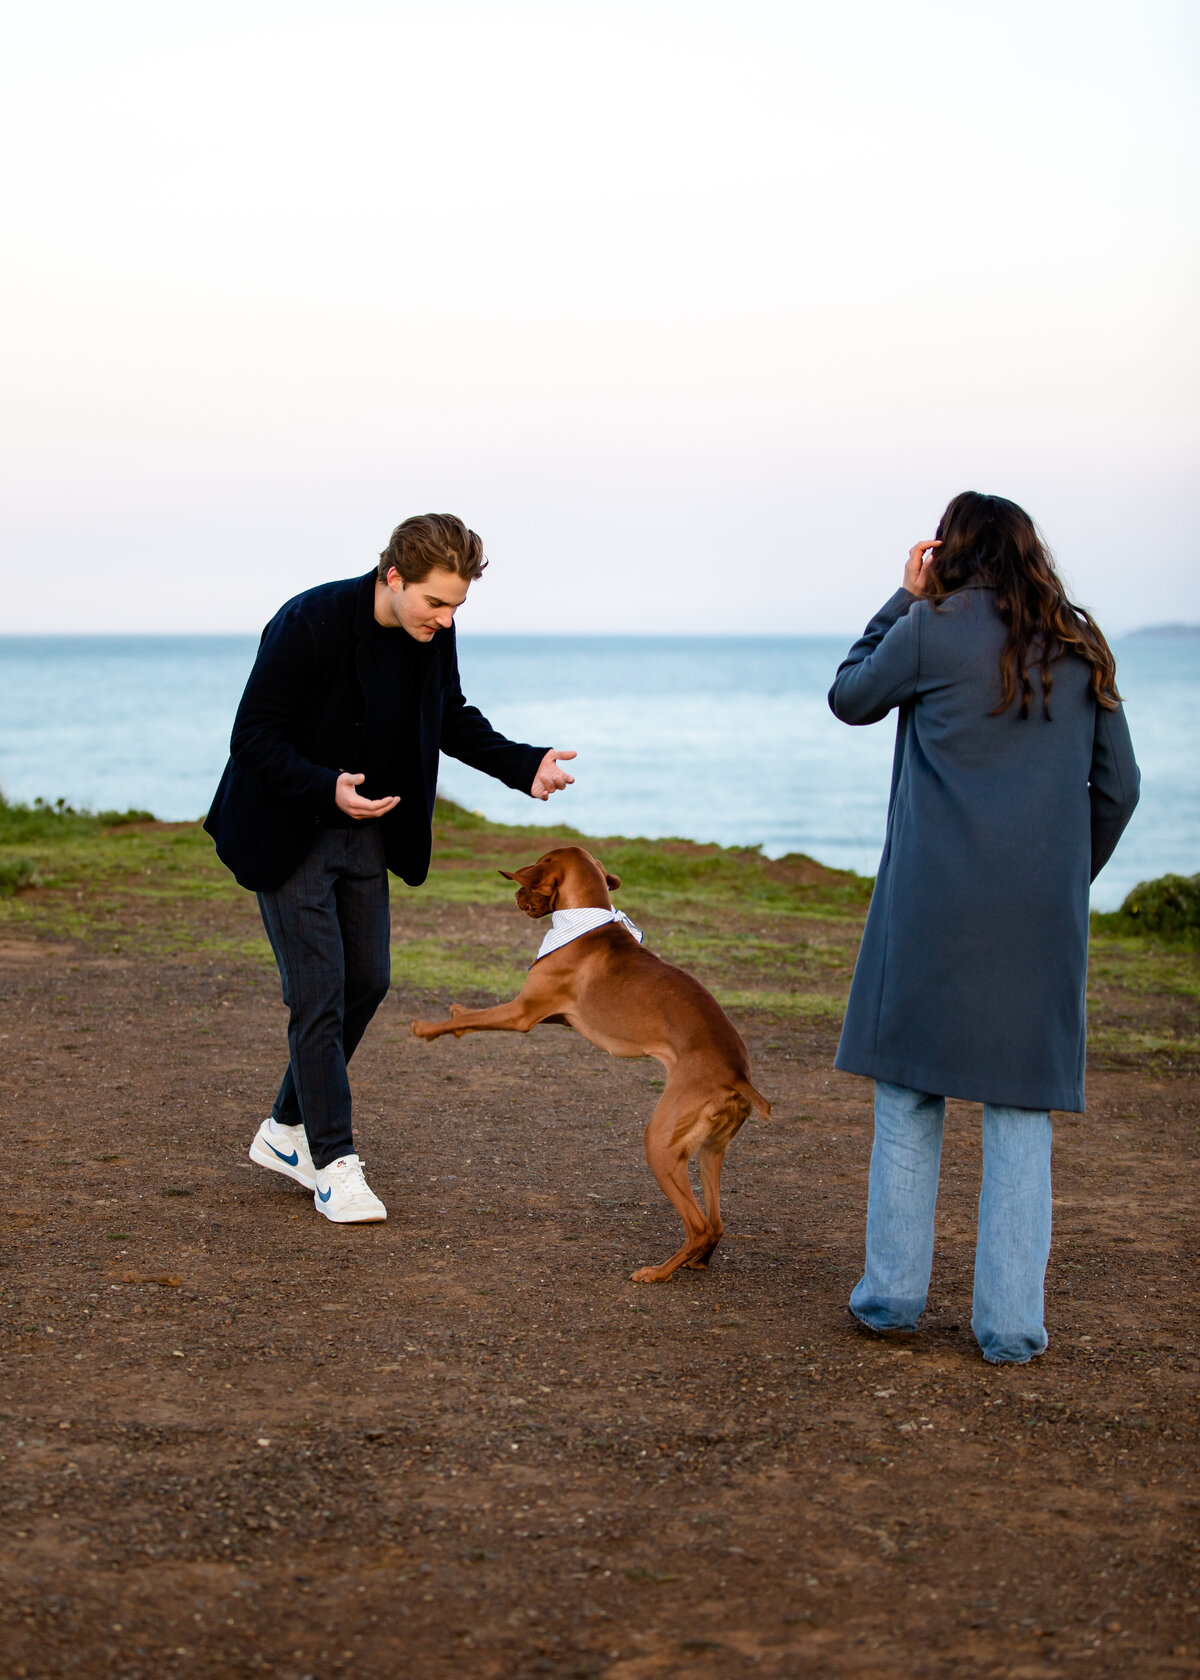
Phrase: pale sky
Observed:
(698, 313)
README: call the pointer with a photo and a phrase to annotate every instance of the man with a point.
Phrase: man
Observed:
(331, 783)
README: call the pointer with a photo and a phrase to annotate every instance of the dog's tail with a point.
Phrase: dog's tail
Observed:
(753, 1097)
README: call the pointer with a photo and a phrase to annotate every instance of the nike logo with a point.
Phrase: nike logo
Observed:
(324, 1195)
(288, 1160)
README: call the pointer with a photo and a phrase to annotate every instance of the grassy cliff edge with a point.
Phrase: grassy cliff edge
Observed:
(774, 936)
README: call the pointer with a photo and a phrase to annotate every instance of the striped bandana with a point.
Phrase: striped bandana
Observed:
(566, 925)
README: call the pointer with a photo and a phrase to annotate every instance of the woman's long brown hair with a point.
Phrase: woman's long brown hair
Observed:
(992, 542)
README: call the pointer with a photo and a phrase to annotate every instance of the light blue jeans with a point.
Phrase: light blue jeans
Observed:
(1013, 1242)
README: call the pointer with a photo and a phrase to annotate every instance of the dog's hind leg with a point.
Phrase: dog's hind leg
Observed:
(711, 1157)
(669, 1145)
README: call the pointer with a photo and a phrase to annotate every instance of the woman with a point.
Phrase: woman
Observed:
(1013, 779)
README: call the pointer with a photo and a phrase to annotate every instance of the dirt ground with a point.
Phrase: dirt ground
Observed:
(237, 1440)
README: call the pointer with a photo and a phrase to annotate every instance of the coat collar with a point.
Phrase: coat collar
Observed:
(364, 606)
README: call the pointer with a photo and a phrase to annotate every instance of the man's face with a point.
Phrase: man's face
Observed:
(420, 608)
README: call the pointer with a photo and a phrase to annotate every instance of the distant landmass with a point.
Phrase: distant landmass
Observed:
(1168, 630)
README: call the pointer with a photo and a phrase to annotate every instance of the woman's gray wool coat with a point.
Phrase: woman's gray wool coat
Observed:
(971, 977)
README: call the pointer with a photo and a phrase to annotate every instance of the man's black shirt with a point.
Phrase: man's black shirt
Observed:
(382, 743)
(395, 672)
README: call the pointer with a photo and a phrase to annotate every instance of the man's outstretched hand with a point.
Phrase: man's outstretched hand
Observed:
(347, 798)
(549, 777)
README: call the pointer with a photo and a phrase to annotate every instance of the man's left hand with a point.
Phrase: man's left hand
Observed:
(549, 777)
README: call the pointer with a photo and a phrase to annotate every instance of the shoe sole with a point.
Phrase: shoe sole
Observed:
(350, 1218)
(262, 1157)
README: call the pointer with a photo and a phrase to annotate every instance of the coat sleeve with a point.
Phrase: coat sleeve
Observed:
(284, 673)
(467, 735)
(1114, 784)
(881, 669)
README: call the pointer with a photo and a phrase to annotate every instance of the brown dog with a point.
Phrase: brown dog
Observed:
(631, 1003)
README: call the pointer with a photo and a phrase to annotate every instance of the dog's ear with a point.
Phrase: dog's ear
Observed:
(537, 887)
(612, 882)
(531, 875)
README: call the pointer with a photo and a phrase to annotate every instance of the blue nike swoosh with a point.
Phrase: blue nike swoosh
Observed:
(325, 1194)
(288, 1160)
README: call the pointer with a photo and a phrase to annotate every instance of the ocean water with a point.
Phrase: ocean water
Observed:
(709, 738)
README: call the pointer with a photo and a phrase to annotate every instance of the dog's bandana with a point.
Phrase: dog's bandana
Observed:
(566, 925)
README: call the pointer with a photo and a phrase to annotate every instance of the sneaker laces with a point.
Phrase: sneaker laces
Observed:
(350, 1176)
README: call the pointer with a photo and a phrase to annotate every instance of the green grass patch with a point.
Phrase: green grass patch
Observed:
(693, 947)
(58, 821)
(657, 876)
(1166, 909)
(823, 1006)
(105, 878)
(1142, 992)
(15, 873)
(1129, 1041)
(1144, 967)
(433, 965)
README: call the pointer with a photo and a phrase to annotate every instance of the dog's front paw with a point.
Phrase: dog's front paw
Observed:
(650, 1274)
(423, 1029)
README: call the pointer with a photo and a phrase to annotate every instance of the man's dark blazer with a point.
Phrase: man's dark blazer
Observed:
(304, 709)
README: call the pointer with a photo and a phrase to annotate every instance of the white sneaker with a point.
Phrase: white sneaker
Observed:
(285, 1150)
(342, 1194)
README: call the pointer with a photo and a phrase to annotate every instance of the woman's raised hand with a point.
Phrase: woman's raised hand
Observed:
(917, 565)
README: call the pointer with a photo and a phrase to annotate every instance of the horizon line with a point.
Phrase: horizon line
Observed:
(1178, 628)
